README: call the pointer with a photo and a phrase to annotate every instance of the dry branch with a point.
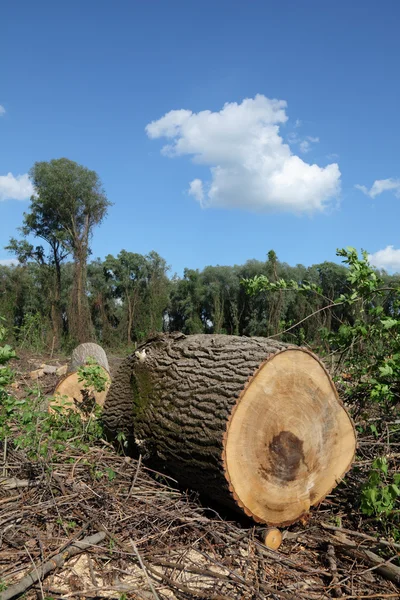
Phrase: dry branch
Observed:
(39, 573)
(381, 566)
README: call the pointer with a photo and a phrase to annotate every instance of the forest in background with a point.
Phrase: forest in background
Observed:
(55, 297)
(130, 297)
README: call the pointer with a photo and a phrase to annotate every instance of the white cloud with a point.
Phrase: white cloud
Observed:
(2, 110)
(15, 188)
(389, 259)
(305, 145)
(381, 185)
(8, 262)
(250, 165)
(196, 190)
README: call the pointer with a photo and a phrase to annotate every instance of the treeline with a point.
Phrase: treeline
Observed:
(56, 297)
(131, 297)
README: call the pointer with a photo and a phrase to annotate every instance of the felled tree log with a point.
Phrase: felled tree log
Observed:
(251, 422)
(70, 392)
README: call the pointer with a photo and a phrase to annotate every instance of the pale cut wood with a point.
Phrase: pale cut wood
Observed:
(69, 392)
(251, 422)
(289, 440)
(272, 538)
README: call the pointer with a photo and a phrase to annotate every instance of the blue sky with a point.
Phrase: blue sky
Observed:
(84, 80)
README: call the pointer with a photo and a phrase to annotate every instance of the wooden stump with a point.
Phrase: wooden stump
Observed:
(272, 538)
(251, 422)
(70, 393)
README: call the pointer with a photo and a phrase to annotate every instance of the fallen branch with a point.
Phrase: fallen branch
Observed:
(57, 561)
(363, 536)
(337, 590)
(383, 567)
(13, 483)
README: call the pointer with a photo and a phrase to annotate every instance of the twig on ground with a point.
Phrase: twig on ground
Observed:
(136, 551)
(57, 561)
(337, 591)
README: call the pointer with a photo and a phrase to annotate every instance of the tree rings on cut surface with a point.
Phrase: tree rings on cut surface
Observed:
(289, 440)
(272, 538)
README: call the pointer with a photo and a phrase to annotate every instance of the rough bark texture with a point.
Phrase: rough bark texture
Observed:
(80, 322)
(85, 351)
(177, 395)
(177, 402)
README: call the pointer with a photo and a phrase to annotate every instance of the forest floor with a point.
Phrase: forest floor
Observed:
(97, 524)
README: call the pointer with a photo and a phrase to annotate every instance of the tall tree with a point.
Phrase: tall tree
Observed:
(70, 200)
(103, 303)
(187, 303)
(128, 272)
(276, 299)
(41, 224)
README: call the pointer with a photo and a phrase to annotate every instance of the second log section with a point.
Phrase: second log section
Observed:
(251, 422)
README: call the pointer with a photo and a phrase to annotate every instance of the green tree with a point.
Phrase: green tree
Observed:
(221, 294)
(103, 303)
(24, 296)
(127, 272)
(156, 297)
(41, 224)
(69, 201)
(187, 303)
(141, 285)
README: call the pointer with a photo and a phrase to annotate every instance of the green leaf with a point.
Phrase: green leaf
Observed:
(389, 323)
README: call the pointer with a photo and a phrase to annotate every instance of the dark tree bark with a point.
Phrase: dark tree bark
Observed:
(251, 422)
(80, 322)
(83, 352)
(56, 314)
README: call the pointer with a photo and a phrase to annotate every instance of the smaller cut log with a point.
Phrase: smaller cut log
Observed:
(81, 354)
(36, 374)
(49, 369)
(272, 538)
(70, 393)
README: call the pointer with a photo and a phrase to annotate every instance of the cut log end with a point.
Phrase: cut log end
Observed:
(70, 395)
(289, 440)
(272, 538)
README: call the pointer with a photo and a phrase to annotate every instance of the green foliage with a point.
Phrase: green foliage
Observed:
(369, 335)
(139, 287)
(42, 434)
(92, 376)
(33, 428)
(69, 201)
(6, 374)
(32, 333)
(380, 494)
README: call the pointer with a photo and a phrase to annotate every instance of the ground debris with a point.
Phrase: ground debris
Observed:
(158, 542)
